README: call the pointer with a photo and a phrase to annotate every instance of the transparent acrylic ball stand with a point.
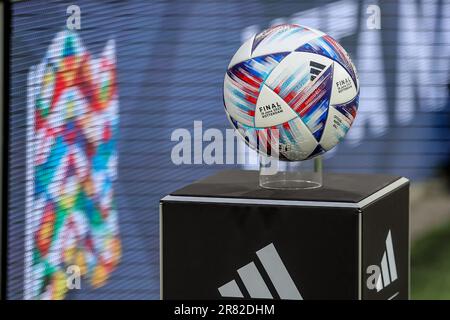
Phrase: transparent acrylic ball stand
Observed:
(289, 175)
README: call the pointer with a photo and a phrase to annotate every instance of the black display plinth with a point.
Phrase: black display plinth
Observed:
(225, 237)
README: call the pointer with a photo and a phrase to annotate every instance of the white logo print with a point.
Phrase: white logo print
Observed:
(380, 279)
(254, 282)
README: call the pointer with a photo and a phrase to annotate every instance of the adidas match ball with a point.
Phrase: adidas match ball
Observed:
(297, 80)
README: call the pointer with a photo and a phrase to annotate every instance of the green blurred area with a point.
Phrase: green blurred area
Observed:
(430, 265)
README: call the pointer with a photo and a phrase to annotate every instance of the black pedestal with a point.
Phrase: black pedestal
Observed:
(224, 237)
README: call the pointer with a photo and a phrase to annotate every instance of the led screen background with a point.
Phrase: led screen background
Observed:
(170, 58)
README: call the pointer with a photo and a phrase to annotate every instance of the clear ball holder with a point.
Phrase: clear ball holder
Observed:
(290, 175)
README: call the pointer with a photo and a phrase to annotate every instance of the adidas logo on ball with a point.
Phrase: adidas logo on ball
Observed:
(316, 69)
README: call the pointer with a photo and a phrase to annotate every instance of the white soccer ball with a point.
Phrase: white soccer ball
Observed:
(294, 79)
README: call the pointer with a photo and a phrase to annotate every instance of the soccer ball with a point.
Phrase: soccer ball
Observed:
(297, 80)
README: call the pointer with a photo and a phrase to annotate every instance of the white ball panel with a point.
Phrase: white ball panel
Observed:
(304, 142)
(243, 53)
(297, 65)
(271, 110)
(344, 89)
(336, 127)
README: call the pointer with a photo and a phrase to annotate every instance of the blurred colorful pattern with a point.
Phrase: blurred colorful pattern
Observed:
(71, 217)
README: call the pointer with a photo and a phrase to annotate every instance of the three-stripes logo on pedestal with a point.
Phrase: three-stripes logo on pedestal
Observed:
(254, 283)
(380, 279)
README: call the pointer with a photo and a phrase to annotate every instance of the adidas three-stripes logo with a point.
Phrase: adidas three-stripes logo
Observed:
(388, 266)
(385, 273)
(316, 69)
(254, 282)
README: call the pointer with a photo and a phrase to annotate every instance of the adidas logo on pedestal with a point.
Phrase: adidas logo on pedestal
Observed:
(381, 277)
(254, 283)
